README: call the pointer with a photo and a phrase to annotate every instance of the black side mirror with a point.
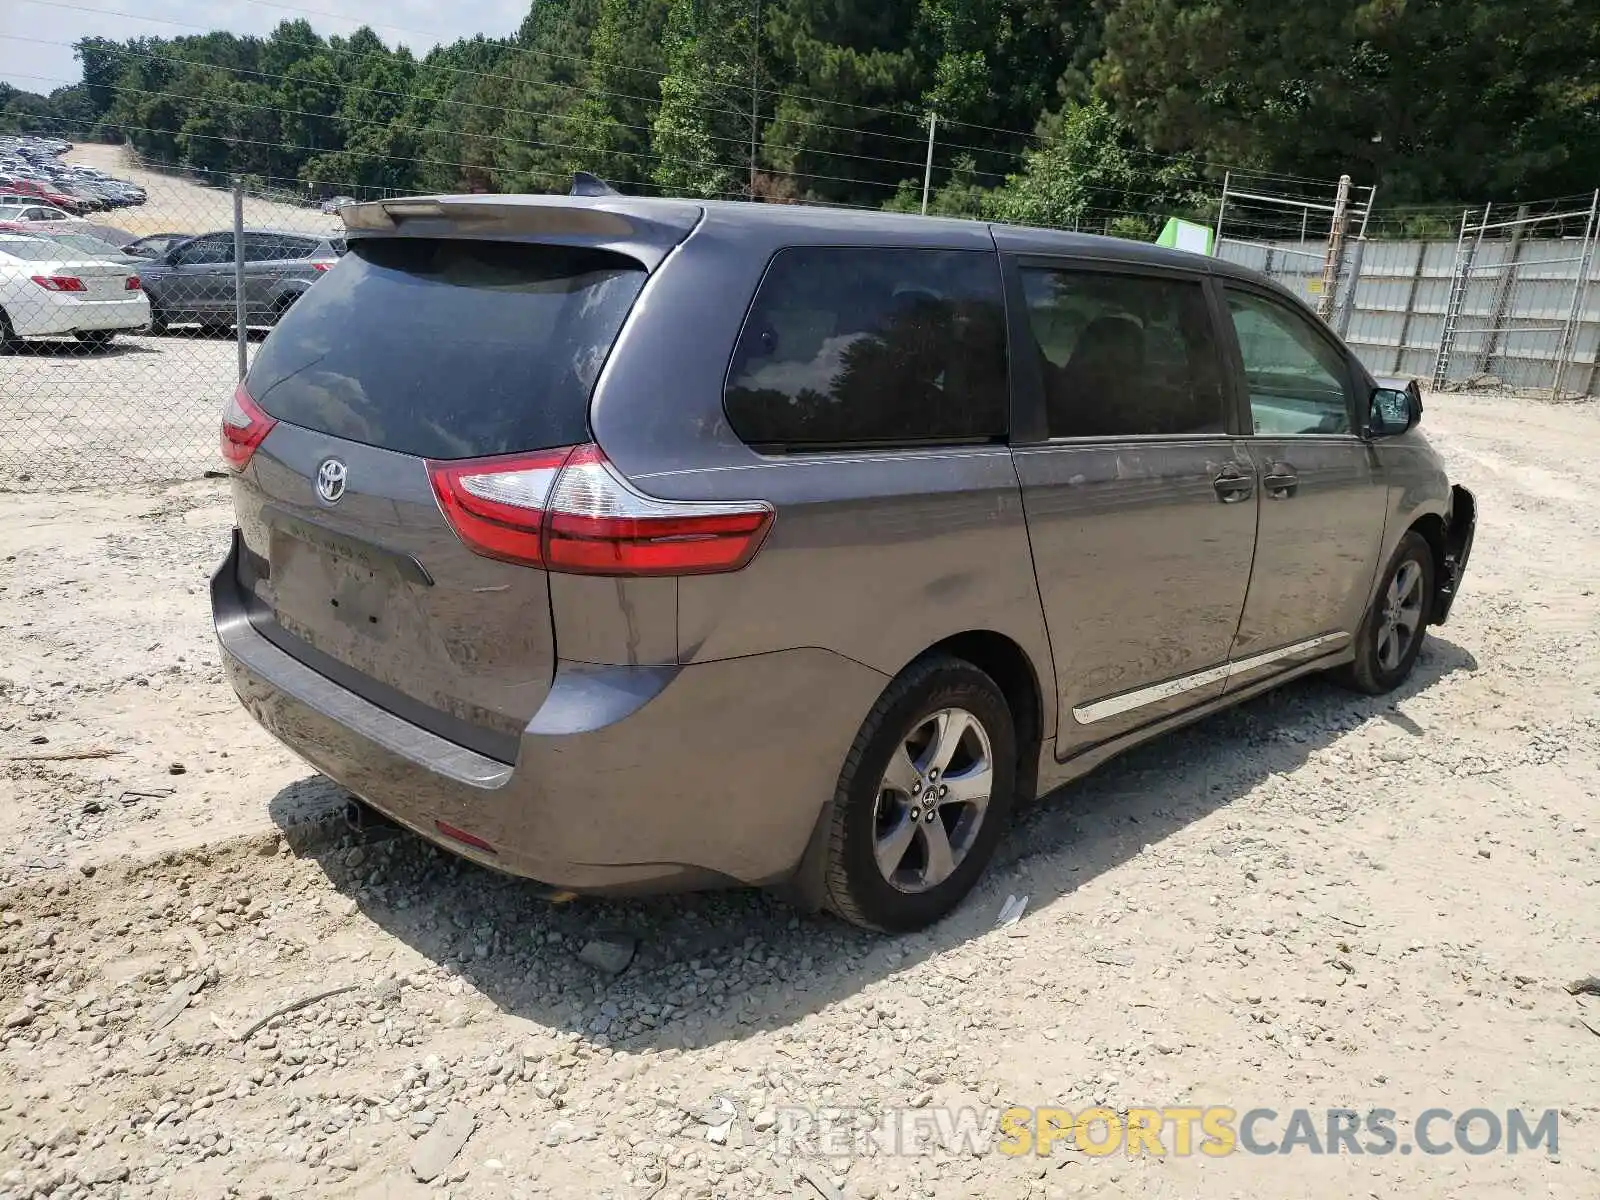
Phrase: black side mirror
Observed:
(1395, 407)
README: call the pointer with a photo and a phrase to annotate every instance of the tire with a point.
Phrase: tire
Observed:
(158, 320)
(99, 338)
(1406, 592)
(8, 337)
(870, 812)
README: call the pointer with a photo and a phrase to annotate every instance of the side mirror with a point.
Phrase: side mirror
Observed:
(1395, 408)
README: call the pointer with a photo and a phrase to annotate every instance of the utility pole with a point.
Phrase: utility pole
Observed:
(927, 171)
(755, 94)
(1330, 265)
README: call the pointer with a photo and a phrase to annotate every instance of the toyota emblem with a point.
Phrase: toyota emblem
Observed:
(330, 479)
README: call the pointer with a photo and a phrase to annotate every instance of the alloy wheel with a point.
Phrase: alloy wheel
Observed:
(932, 800)
(1402, 615)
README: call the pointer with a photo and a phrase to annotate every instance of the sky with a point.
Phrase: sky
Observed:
(36, 36)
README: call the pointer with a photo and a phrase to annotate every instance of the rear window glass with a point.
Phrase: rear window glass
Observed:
(446, 348)
(859, 347)
(30, 249)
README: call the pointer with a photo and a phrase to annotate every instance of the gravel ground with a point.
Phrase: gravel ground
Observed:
(145, 408)
(1315, 900)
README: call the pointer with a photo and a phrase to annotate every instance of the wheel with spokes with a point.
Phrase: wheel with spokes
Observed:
(923, 798)
(1391, 637)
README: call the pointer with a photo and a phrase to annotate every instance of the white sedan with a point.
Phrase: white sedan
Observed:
(48, 290)
(34, 212)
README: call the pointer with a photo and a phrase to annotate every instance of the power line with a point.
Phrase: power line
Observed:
(508, 48)
(255, 73)
(505, 47)
(488, 137)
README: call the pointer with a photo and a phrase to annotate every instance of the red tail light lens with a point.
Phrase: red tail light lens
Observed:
(244, 427)
(572, 511)
(601, 525)
(60, 283)
(133, 284)
(496, 505)
(321, 266)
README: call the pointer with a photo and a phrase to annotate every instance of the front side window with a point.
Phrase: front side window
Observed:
(859, 347)
(1298, 384)
(1124, 355)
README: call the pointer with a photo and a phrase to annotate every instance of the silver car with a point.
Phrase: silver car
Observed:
(633, 545)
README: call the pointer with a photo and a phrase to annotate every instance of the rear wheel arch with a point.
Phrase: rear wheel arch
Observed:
(1009, 665)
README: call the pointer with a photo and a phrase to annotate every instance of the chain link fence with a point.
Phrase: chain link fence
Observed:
(130, 301)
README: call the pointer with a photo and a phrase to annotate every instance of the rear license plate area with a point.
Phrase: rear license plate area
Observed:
(326, 591)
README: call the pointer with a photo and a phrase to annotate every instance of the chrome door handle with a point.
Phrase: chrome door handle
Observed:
(1233, 485)
(1281, 481)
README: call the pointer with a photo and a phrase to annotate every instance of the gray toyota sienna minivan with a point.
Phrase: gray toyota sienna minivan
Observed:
(637, 545)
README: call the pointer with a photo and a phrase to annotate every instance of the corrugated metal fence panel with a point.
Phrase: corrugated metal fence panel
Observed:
(1511, 318)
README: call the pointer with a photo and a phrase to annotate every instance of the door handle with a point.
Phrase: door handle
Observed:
(1233, 485)
(1281, 481)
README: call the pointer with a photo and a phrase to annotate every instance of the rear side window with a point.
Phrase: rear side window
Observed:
(449, 348)
(272, 247)
(854, 347)
(1124, 355)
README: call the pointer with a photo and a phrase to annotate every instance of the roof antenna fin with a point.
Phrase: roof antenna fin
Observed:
(585, 184)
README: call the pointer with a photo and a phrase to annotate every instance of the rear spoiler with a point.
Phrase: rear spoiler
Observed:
(643, 229)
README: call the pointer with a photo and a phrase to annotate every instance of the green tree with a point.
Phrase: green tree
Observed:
(1091, 169)
(851, 60)
(699, 129)
(608, 127)
(1428, 98)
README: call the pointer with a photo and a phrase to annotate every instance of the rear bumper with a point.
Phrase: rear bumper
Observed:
(627, 780)
(58, 315)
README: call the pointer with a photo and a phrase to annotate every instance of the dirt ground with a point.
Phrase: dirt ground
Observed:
(1314, 901)
(177, 205)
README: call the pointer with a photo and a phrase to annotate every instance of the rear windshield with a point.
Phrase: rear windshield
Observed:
(30, 249)
(447, 348)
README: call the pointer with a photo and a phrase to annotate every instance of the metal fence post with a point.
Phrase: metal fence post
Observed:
(1222, 210)
(927, 170)
(1347, 307)
(241, 330)
(1585, 260)
(1330, 264)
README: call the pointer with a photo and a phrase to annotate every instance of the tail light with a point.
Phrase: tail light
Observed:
(60, 283)
(570, 510)
(244, 427)
(321, 266)
(133, 284)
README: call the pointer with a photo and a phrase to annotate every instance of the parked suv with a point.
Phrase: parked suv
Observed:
(633, 545)
(193, 282)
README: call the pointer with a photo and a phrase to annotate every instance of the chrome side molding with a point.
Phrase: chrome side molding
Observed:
(1099, 710)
